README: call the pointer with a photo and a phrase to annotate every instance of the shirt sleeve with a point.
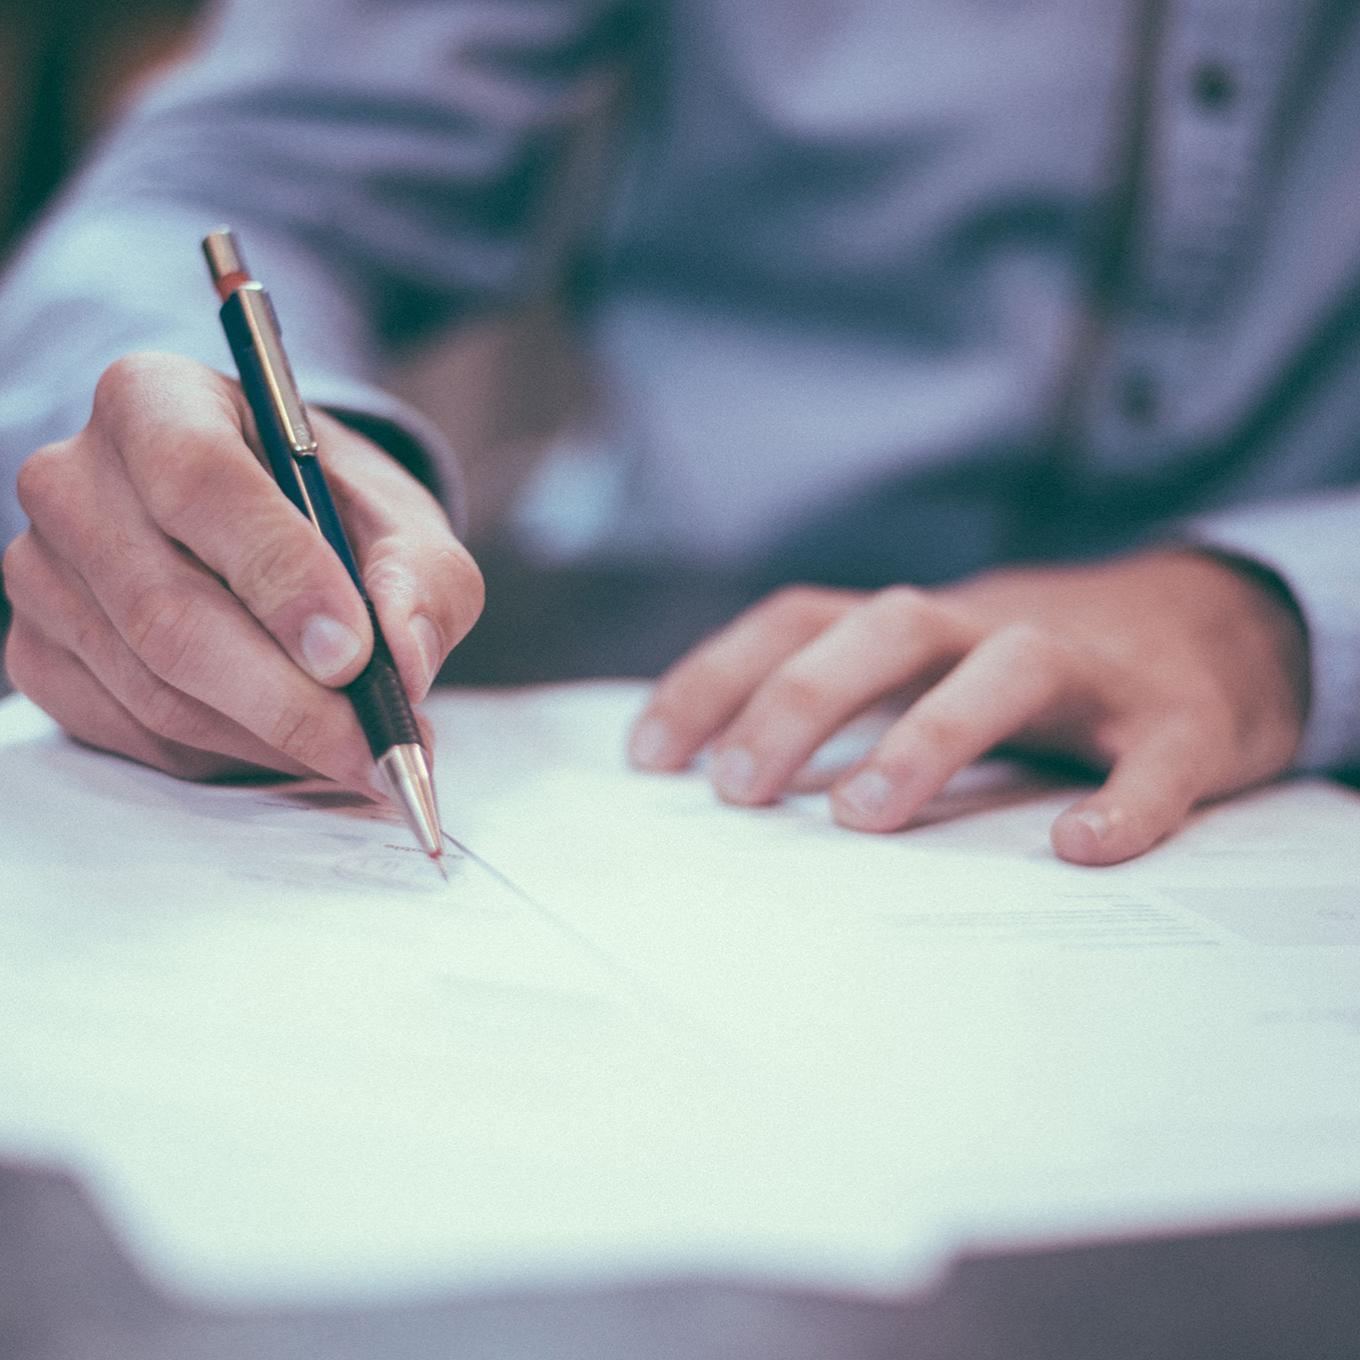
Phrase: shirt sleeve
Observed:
(1309, 544)
(384, 165)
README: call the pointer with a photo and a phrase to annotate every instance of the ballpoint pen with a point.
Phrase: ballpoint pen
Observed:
(379, 698)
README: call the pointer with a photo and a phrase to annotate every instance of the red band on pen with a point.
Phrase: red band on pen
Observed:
(229, 283)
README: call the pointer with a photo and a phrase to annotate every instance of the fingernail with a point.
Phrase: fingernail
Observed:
(1099, 823)
(429, 647)
(866, 796)
(650, 744)
(328, 646)
(380, 784)
(734, 773)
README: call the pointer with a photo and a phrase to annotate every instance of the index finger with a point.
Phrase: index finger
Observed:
(707, 687)
(180, 431)
(1010, 679)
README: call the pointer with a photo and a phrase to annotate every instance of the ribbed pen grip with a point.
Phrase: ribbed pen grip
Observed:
(379, 699)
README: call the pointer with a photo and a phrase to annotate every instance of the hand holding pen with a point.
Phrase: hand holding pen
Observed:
(172, 606)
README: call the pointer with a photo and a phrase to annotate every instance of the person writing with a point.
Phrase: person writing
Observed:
(1025, 338)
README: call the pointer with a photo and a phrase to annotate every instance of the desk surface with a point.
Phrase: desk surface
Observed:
(68, 1293)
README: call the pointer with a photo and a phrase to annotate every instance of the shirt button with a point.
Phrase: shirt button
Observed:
(1212, 86)
(1138, 397)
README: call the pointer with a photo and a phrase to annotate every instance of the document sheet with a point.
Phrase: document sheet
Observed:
(643, 1035)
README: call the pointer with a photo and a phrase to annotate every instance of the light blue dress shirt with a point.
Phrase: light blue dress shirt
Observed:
(876, 291)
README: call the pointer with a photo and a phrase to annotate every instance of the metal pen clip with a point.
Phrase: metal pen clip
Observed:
(231, 276)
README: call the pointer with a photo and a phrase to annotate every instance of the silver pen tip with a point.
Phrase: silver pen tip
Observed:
(408, 776)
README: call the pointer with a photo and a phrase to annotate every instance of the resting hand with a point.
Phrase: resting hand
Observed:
(1182, 676)
(171, 605)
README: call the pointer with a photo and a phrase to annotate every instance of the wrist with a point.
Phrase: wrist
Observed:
(403, 447)
(1261, 602)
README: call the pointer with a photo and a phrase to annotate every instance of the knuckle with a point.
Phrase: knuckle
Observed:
(177, 491)
(87, 634)
(303, 734)
(1025, 638)
(161, 629)
(166, 711)
(453, 569)
(281, 567)
(116, 385)
(126, 379)
(452, 591)
(902, 615)
(1035, 648)
(16, 568)
(186, 476)
(793, 698)
(42, 481)
(21, 661)
(902, 599)
(794, 603)
(942, 731)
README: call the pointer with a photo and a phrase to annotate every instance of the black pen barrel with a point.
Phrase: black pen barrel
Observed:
(380, 702)
(379, 698)
(255, 385)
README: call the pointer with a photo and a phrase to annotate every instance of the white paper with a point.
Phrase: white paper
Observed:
(641, 1033)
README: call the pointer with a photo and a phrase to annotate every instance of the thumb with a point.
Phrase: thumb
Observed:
(1148, 794)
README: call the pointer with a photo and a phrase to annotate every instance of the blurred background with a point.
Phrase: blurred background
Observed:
(500, 389)
(66, 69)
